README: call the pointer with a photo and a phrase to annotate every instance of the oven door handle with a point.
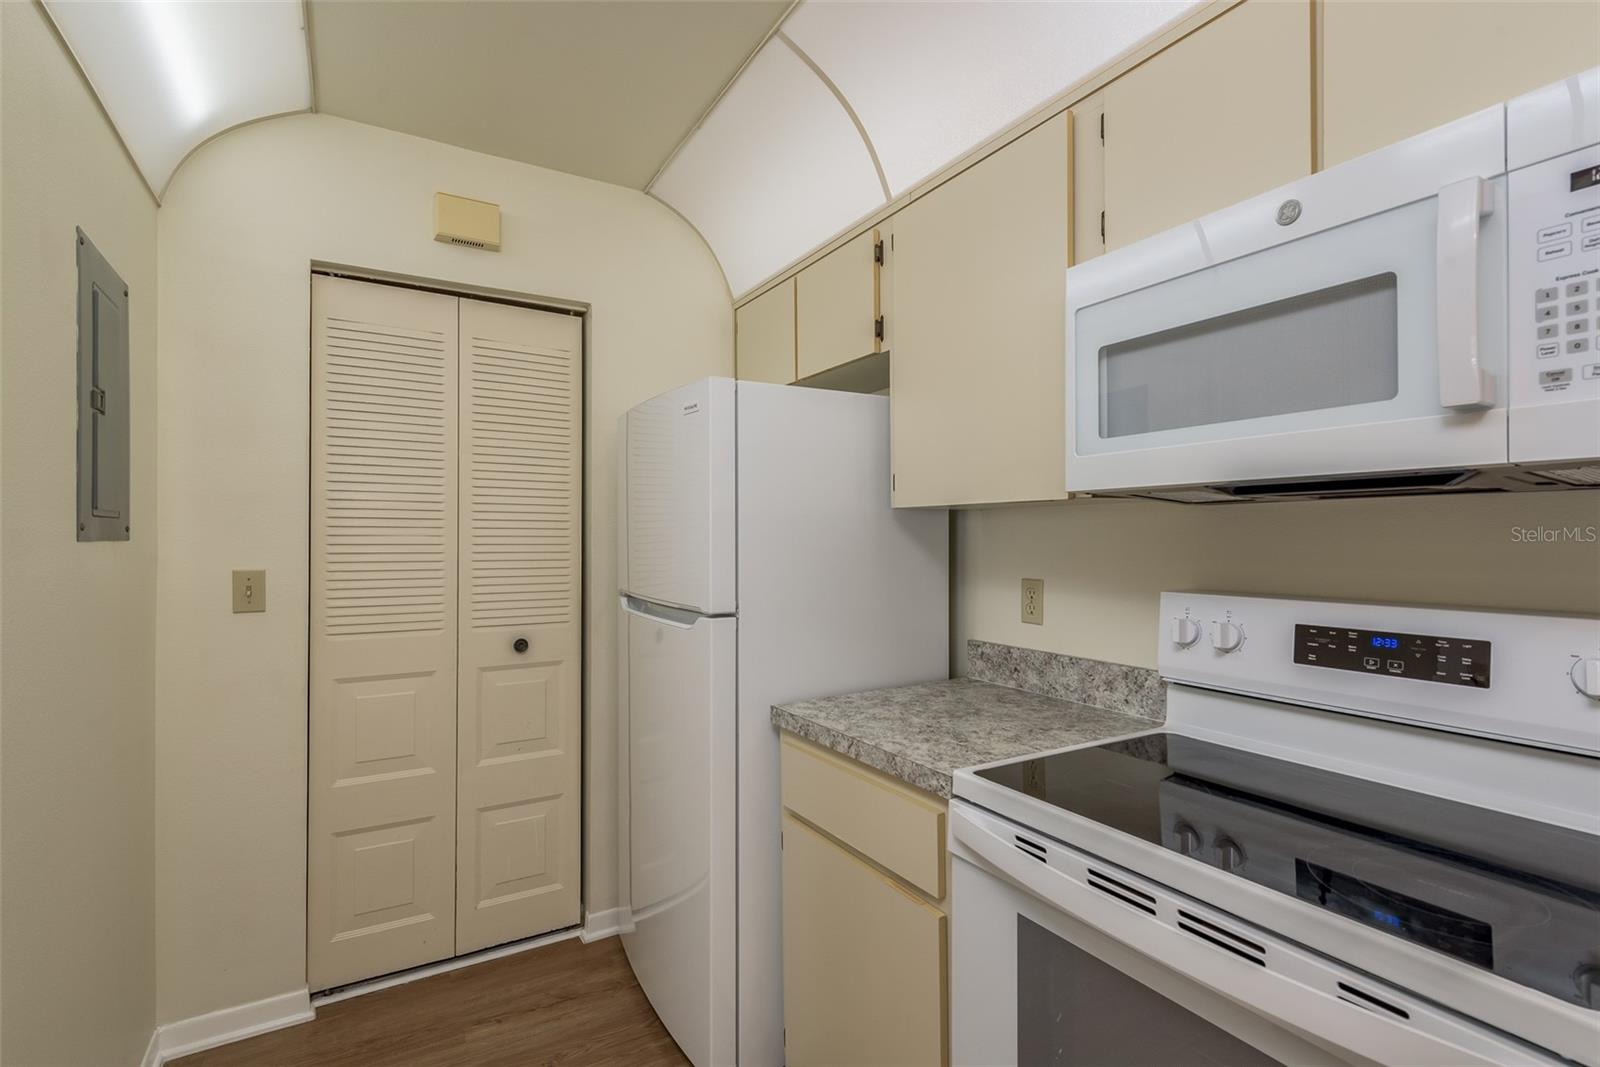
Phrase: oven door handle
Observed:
(1463, 383)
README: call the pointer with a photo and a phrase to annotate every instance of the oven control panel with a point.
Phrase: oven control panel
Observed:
(1517, 676)
(1424, 657)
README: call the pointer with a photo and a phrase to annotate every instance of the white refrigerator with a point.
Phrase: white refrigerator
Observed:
(759, 563)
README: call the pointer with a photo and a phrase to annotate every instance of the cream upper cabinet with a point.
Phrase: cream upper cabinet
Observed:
(976, 402)
(837, 306)
(1086, 167)
(1396, 69)
(764, 336)
(1221, 115)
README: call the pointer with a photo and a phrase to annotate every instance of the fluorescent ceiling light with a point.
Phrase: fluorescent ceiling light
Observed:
(931, 80)
(777, 168)
(172, 73)
(789, 157)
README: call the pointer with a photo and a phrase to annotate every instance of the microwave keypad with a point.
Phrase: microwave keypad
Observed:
(1567, 316)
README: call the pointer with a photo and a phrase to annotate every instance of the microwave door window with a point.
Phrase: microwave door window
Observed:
(1330, 348)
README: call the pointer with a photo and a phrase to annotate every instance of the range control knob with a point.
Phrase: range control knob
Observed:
(1226, 636)
(1185, 631)
(1188, 838)
(1230, 855)
(1585, 676)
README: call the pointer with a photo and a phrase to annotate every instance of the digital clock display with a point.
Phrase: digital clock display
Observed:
(1420, 657)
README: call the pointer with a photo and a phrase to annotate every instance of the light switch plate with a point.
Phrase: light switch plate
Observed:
(249, 591)
(1033, 601)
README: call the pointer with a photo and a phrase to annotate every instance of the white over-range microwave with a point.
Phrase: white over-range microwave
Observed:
(1421, 319)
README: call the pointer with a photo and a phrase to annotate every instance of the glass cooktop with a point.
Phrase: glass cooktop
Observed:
(1511, 895)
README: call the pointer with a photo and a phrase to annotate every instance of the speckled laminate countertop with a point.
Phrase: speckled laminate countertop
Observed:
(921, 734)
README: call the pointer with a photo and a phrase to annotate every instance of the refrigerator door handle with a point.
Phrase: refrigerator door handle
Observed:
(677, 617)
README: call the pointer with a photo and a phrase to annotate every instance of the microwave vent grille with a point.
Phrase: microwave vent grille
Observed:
(1192, 496)
(1589, 475)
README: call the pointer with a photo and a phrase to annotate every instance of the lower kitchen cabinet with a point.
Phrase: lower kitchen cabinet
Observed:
(865, 950)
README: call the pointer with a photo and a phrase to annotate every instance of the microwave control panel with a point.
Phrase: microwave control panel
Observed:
(1554, 313)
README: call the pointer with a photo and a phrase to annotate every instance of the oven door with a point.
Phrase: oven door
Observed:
(1059, 959)
(1367, 335)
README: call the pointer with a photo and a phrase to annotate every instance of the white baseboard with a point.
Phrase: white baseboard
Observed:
(152, 1051)
(598, 925)
(228, 1025)
(455, 963)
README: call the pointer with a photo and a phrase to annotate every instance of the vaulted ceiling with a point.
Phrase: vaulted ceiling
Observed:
(770, 125)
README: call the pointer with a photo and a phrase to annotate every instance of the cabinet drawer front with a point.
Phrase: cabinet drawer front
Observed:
(894, 825)
(865, 967)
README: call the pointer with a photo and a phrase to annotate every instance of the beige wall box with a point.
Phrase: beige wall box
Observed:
(460, 221)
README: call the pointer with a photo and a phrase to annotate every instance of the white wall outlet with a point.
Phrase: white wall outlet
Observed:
(249, 591)
(1033, 601)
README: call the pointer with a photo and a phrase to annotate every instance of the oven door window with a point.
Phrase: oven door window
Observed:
(1072, 1010)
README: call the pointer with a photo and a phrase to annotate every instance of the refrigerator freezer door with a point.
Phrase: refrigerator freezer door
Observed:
(682, 799)
(679, 499)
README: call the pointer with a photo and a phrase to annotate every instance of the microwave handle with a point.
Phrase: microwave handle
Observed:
(1462, 207)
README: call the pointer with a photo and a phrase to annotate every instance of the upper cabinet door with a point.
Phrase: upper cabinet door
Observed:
(1393, 70)
(837, 306)
(764, 336)
(976, 401)
(1222, 115)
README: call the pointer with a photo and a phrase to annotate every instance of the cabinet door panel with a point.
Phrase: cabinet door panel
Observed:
(977, 366)
(1220, 116)
(764, 337)
(864, 961)
(1393, 70)
(835, 307)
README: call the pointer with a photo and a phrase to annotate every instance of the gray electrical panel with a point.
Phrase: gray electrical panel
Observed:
(102, 398)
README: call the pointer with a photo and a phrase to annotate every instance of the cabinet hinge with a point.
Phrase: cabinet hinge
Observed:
(1102, 127)
(877, 252)
(1102, 227)
(877, 328)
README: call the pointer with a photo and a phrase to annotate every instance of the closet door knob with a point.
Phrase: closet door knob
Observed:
(520, 645)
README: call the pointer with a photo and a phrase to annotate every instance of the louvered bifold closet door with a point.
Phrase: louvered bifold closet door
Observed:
(382, 790)
(521, 458)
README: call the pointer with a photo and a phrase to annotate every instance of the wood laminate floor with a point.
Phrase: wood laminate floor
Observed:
(567, 1003)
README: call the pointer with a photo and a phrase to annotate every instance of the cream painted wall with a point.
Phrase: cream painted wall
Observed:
(77, 638)
(240, 227)
(1104, 562)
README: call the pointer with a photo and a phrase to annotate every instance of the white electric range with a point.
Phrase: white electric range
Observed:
(1365, 834)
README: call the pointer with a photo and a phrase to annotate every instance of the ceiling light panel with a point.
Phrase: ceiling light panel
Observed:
(777, 168)
(931, 80)
(172, 73)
